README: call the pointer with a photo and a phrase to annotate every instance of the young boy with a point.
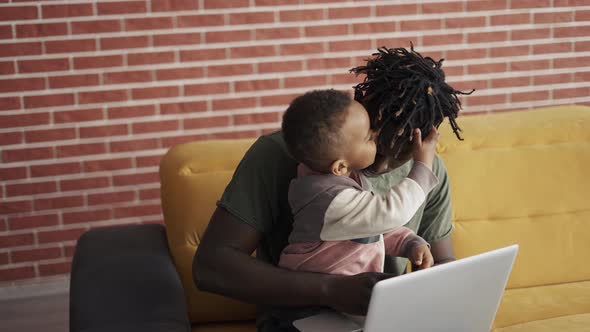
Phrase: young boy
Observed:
(340, 226)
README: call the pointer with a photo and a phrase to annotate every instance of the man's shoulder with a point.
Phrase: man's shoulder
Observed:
(274, 138)
(268, 157)
(271, 144)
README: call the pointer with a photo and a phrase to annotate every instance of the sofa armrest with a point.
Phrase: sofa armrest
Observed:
(123, 279)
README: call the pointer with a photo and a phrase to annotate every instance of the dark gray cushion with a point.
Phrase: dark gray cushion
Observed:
(123, 279)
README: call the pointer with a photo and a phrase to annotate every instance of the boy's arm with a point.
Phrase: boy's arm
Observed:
(400, 242)
(404, 242)
(353, 213)
(441, 252)
(223, 265)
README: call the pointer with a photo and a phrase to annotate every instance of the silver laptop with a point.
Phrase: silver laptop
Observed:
(463, 295)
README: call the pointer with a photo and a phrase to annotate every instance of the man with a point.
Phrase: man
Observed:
(402, 91)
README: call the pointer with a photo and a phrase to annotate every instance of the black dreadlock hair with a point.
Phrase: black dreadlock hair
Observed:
(402, 91)
(311, 127)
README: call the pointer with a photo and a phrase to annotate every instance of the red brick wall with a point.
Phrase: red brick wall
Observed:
(92, 94)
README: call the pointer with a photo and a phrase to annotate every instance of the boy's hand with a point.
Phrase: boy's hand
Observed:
(423, 151)
(421, 257)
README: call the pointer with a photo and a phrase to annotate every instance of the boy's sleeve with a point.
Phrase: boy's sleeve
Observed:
(251, 195)
(436, 219)
(355, 213)
(394, 240)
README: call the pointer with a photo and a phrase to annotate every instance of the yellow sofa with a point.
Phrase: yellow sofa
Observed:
(518, 177)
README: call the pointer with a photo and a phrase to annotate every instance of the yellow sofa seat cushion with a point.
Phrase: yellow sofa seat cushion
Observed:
(530, 304)
(574, 323)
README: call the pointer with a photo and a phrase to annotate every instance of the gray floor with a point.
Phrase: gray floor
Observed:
(47, 313)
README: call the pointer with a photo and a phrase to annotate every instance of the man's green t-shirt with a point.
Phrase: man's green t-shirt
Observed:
(257, 195)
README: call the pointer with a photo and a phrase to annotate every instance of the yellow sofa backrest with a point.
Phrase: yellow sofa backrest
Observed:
(193, 177)
(518, 177)
(522, 177)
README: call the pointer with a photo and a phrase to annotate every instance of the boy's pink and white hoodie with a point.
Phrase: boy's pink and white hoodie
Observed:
(341, 227)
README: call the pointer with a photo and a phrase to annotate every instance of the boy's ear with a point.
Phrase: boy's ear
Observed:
(339, 167)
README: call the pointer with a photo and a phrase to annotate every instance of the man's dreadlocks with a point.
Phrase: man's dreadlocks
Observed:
(402, 91)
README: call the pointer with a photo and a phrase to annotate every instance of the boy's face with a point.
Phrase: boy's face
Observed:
(358, 144)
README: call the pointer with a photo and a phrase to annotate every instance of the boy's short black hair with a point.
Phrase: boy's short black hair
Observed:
(403, 91)
(311, 127)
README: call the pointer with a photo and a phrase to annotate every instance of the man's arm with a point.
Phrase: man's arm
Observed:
(436, 226)
(442, 251)
(223, 265)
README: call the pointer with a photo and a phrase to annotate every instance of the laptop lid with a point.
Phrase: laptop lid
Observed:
(463, 295)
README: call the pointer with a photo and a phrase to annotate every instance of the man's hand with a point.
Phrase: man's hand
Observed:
(421, 257)
(423, 151)
(351, 294)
